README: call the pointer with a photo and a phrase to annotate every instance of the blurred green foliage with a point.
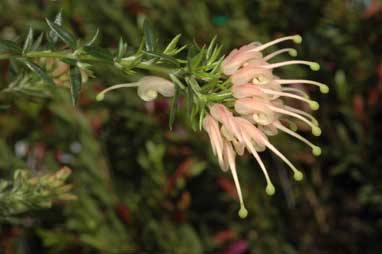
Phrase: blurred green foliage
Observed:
(143, 188)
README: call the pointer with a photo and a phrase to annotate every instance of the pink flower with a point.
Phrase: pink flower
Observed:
(252, 51)
(259, 110)
(238, 57)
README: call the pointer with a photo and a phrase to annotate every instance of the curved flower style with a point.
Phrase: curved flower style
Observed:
(259, 110)
(148, 88)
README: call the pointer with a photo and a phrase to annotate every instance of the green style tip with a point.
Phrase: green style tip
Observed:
(243, 213)
(324, 89)
(292, 52)
(316, 131)
(297, 39)
(270, 190)
(314, 105)
(100, 97)
(314, 66)
(316, 150)
(298, 176)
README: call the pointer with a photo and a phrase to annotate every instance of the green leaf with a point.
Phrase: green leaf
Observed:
(162, 56)
(196, 60)
(176, 81)
(69, 61)
(122, 47)
(172, 45)
(75, 83)
(194, 85)
(38, 71)
(6, 45)
(92, 41)
(215, 55)
(211, 47)
(177, 51)
(99, 53)
(63, 34)
(174, 105)
(37, 43)
(149, 36)
(28, 41)
(189, 100)
(52, 35)
(201, 118)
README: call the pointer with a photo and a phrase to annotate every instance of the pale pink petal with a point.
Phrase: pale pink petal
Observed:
(150, 86)
(251, 72)
(212, 127)
(246, 90)
(238, 57)
(246, 106)
(249, 131)
(223, 115)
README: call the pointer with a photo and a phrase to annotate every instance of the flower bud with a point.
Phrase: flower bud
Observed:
(150, 86)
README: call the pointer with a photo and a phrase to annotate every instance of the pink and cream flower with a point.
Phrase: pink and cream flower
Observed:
(260, 109)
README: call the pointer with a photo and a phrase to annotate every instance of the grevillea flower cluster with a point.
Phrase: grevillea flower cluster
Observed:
(240, 116)
(238, 99)
(259, 110)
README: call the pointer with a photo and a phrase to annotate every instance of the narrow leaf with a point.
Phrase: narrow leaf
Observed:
(99, 52)
(75, 83)
(52, 35)
(211, 47)
(63, 34)
(6, 45)
(95, 36)
(215, 54)
(177, 51)
(38, 71)
(37, 43)
(189, 100)
(196, 60)
(122, 46)
(149, 36)
(174, 105)
(201, 118)
(172, 45)
(162, 56)
(176, 81)
(28, 41)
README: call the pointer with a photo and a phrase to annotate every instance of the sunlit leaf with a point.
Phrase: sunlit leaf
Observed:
(172, 45)
(52, 35)
(93, 40)
(63, 34)
(28, 41)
